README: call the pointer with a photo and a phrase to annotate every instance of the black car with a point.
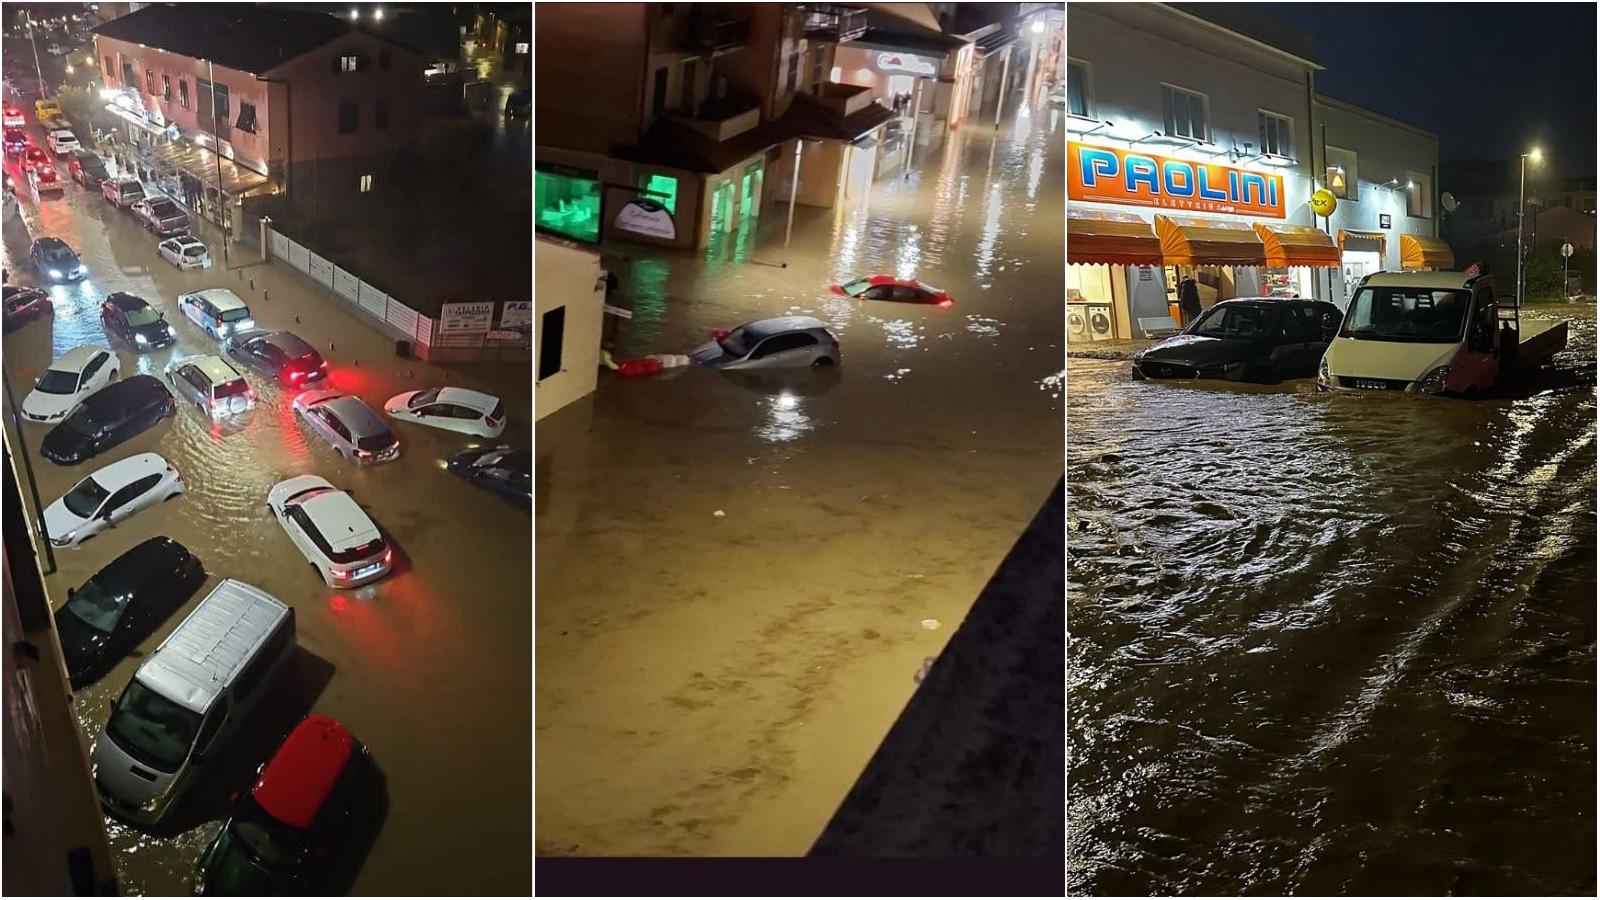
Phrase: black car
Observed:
(122, 604)
(55, 261)
(278, 354)
(501, 469)
(133, 319)
(24, 304)
(520, 104)
(1257, 339)
(87, 168)
(108, 417)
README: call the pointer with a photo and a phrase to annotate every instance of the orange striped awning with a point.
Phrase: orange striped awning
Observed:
(1382, 238)
(1110, 237)
(1208, 242)
(1425, 253)
(1297, 245)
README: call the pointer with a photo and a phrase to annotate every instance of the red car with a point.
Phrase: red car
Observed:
(24, 304)
(13, 118)
(34, 156)
(45, 178)
(888, 287)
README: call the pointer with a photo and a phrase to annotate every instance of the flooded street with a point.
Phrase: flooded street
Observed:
(1331, 644)
(740, 577)
(428, 667)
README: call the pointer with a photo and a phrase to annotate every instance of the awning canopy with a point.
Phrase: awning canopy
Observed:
(204, 167)
(1297, 245)
(1425, 253)
(1208, 242)
(1363, 240)
(1110, 237)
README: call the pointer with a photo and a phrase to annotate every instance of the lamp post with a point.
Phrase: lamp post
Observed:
(1522, 186)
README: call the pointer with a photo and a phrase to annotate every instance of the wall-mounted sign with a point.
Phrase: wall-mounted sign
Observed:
(516, 314)
(521, 49)
(1111, 175)
(1383, 220)
(1146, 273)
(900, 62)
(1323, 202)
(466, 316)
(646, 217)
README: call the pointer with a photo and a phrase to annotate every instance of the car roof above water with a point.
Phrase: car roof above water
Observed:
(133, 568)
(781, 324)
(201, 657)
(357, 416)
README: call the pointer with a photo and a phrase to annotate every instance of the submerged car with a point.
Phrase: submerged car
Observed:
(55, 261)
(45, 179)
(185, 251)
(506, 471)
(112, 494)
(888, 287)
(783, 342)
(161, 216)
(1260, 339)
(24, 304)
(133, 319)
(13, 118)
(33, 157)
(15, 140)
(349, 425)
(78, 373)
(451, 409)
(87, 169)
(332, 531)
(281, 355)
(122, 604)
(107, 418)
(212, 384)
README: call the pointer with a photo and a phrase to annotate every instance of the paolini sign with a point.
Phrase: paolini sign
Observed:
(1111, 175)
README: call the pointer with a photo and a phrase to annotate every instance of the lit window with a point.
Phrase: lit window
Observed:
(663, 189)
(366, 183)
(835, 74)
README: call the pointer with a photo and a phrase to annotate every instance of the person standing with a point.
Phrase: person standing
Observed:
(1189, 299)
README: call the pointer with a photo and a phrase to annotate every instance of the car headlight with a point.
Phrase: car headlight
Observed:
(141, 339)
(1324, 377)
(61, 540)
(1433, 382)
(158, 799)
(82, 269)
(222, 329)
(55, 273)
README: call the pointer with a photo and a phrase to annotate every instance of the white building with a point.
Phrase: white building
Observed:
(569, 303)
(1194, 150)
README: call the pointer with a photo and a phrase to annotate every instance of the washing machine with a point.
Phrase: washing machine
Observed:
(1077, 322)
(1098, 320)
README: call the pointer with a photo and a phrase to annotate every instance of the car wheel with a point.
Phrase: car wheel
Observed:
(823, 362)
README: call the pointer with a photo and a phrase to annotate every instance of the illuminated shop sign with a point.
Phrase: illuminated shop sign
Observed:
(899, 62)
(1110, 175)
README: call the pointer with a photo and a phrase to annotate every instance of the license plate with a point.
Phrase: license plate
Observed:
(366, 570)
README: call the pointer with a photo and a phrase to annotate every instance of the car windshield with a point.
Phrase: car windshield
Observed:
(236, 315)
(1239, 322)
(56, 381)
(84, 499)
(59, 253)
(855, 288)
(273, 845)
(1414, 315)
(144, 315)
(96, 607)
(738, 341)
(423, 397)
(151, 728)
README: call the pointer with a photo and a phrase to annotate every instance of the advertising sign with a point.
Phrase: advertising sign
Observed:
(516, 314)
(1112, 175)
(466, 316)
(646, 217)
(900, 62)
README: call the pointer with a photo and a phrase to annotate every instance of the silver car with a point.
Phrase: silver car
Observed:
(780, 343)
(349, 425)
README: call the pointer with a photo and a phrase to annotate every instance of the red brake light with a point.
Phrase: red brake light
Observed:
(387, 556)
(294, 376)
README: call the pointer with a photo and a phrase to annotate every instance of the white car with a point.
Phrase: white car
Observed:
(62, 141)
(78, 373)
(452, 409)
(109, 496)
(333, 532)
(185, 251)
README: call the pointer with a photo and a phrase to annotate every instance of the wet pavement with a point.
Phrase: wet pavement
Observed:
(713, 684)
(1332, 644)
(429, 666)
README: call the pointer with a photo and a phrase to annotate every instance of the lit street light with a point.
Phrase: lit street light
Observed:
(1522, 187)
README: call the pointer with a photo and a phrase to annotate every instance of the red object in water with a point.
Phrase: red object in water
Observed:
(634, 367)
(718, 334)
(302, 773)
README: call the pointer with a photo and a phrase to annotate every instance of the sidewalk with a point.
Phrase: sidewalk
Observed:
(1123, 348)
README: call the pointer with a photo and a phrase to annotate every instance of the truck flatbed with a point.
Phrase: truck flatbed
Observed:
(1541, 339)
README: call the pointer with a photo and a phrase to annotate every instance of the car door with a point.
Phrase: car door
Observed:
(784, 350)
(134, 497)
(1478, 359)
(98, 373)
(340, 432)
(115, 508)
(1289, 343)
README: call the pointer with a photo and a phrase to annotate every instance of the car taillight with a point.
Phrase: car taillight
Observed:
(296, 375)
(340, 574)
(946, 303)
(387, 556)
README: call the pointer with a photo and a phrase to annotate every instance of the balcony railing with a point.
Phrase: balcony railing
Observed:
(835, 24)
(711, 32)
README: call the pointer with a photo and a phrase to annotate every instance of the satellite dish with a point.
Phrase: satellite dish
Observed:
(1449, 201)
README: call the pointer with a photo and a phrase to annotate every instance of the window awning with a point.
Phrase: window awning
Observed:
(1297, 245)
(1110, 237)
(1425, 253)
(1364, 241)
(1208, 242)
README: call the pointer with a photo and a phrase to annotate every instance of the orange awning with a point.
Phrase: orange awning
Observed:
(1425, 253)
(1110, 237)
(1208, 242)
(1297, 245)
(1381, 237)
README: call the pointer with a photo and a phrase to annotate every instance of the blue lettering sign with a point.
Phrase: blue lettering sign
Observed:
(1251, 179)
(1170, 170)
(1206, 191)
(1094, 163)
(1141, 169)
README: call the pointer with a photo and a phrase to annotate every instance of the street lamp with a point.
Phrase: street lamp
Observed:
(1536, 155)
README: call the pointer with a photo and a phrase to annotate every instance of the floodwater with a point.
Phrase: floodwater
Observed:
(739, 578)
(1332, 644)
(428, 667)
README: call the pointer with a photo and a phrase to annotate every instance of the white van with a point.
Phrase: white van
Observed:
(217, 310)
(188, 697)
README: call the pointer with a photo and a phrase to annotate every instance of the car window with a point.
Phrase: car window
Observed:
(881, 292)
(212, 724)
(94, 367)
(1293, 325)
(130, 492)
(194, 378)
(783, 342)
(907, 293)
(337, 425)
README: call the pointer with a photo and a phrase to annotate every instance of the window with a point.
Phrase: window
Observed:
(663, 189)
(552, 334)
(380, 113)
(794, 71)
(658, 100)
(690, 73)
(1419, 203)
(818, 63)
(1277, 136)
(366, 184)
(247, 117)
(1184, 113)
(1340, 175)
(347, 62)
(111, 70)
(166, 88)
(385, 58)
(566, 201)
(349, 111)
(783, 342)
(149, 81)
(183, 93)
(1078, 89)
(1297, 326)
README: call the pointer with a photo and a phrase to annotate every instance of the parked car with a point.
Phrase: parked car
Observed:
(13, 118)
(16, 141)
(55, 261)
(57, 50)
(888, 287)
(185, 251)
(107, 418)
(331, 530)
(24, 304)
(111, 495)
(349, 425)
(62, 141)
(122, 192)
(452, 409)
(519, 105)
(123, 604)
(34, 156)
(278, 354)
(783, 342)
(501, 469)
(218, 311)
(1260, 339)
(297, 820)
(161, 215)
(87, 169)
(211, 384)
(133, 319)
(45, 179)
(76, 375)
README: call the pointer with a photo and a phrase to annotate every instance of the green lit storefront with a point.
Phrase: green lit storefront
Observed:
(670, 207)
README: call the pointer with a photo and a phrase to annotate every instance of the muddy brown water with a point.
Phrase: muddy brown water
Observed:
(1332, 644)
(714, 685)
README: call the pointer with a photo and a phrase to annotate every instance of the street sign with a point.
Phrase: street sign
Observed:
(1566, 249)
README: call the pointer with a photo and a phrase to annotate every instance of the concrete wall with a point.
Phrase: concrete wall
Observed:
(589, 66)
(570, 276)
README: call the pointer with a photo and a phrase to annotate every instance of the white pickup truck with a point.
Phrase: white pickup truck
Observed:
(1434, 333)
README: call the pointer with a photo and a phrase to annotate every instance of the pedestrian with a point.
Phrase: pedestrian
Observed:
(1189, 299)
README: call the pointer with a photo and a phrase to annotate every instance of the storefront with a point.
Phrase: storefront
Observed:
(1294, 253)
(1361, 253)
(1110, 257)
(1223, 257)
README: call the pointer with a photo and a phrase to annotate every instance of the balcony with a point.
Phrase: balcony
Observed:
(844, 99)
(834, 24)
(709, 32)
(722, 120)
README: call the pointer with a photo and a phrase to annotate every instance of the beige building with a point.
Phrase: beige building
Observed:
(569, 298)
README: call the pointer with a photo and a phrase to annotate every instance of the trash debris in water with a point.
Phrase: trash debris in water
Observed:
(718, 514)
(930, 624)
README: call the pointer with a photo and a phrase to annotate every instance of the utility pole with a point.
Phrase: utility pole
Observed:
(33, 485)
(794, 190)
(35, 45)
(216, 155)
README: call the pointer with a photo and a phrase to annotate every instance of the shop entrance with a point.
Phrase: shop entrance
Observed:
(1356, 265)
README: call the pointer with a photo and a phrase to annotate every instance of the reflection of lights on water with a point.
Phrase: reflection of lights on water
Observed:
(786, 401)
(785, 420)
(1052, 384)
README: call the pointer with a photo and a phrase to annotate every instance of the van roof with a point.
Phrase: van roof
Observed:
(222, 298)
(1435, 280)
(199, 659)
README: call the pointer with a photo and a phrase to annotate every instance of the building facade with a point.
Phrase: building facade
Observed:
(1194, 151)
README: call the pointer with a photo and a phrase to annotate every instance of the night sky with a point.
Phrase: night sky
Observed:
(1491, 79)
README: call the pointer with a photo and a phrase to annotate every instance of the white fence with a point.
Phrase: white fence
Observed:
(353, 290)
